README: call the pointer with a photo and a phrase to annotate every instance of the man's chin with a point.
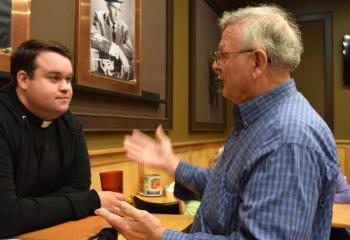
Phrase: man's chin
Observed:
(61, 110)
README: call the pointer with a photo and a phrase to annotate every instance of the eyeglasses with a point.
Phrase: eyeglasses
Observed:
(218, 56)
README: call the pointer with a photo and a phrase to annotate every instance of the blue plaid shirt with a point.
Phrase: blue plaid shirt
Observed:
(275, 180)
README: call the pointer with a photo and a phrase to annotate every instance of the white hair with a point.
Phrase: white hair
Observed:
(271, 28)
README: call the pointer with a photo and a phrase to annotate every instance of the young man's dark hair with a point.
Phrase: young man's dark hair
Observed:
(25, 55)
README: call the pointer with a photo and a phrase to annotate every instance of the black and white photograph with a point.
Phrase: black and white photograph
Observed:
(113, 39)
(109, 45)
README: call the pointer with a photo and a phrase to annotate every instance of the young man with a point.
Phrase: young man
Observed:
(44, 163)
(277, 175)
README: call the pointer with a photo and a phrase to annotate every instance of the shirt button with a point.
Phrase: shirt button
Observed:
(245, 124)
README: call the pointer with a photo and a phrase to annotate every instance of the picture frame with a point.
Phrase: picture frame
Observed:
(112, 77)
(207, 110)
(101, 110)
(20, 30)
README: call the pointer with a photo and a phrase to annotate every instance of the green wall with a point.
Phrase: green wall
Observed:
(180, 91)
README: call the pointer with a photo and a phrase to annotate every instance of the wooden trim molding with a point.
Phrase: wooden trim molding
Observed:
(197, 153)
(99, 157)
(343, 151)
(342, 142)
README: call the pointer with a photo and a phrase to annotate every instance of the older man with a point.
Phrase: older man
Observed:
(276, 178)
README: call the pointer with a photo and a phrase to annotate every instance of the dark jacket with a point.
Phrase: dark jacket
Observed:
(71, 199)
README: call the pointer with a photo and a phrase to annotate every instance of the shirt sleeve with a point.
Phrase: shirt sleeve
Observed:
(173, 235)
(280, 193)
(98, 40)
(342, 193)
(127, 46)
(77, 183)
(190, 181)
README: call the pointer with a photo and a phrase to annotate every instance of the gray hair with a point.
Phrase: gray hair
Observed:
(271, 28)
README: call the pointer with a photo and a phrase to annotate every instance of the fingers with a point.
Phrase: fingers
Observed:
(133, 151)
(140, 138)
(113, 219)
(131, 145)
(116, 210)
(119, 196)
(102, 212)
(111, 200)
(125, 67)
(160, 135)
(132, 212)
(135, 156)
(136, 144)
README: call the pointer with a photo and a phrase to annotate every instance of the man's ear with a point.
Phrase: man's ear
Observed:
(261, 62)
(22, 79)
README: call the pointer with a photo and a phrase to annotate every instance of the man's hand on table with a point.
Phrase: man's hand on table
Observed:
(133, 223)
(110, 200)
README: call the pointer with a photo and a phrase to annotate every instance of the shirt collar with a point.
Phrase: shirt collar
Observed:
(246, 113)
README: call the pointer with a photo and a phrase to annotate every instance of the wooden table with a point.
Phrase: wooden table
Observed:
(341, 215)
(87, 227)
(84, 228)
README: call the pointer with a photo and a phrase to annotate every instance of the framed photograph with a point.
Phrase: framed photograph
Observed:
(207, 110)
(14, 28)
(100, 109)
(108, 45)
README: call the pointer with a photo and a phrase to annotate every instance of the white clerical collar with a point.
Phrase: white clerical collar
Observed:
(45, 124)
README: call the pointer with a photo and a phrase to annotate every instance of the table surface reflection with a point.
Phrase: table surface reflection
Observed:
(87, 227)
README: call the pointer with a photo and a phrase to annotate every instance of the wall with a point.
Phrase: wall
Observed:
(341, 23)
(55, 20)
(199, 153)
(65, 10)
(341, 26)
(343, 151)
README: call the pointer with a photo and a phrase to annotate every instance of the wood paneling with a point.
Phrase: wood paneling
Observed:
(343, 150)
(130, 174)
(198, 153)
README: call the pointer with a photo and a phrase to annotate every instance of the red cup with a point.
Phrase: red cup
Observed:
(112, 181)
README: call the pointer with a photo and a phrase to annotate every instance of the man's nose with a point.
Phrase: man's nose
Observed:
(65, 85)
(216, 68)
